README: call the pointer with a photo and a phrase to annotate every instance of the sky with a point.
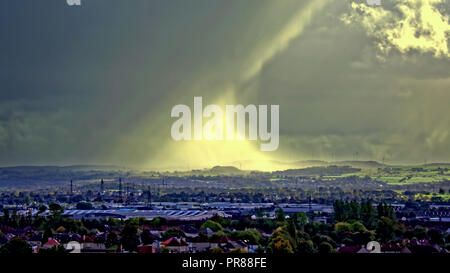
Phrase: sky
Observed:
(95, 84)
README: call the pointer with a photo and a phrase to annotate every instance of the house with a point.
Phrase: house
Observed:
(253, 248)
(222, 240)
(50, 243)
(192, 236)
(99, 249)
(35, 241)
(349, 249)
(239, 244)
(146, 249)
(88, 243)
(75, 237)
(207, 231)
(196, 247)
(62, 237)
(227, 244)
(93, 247)
(363, 250)
(176, 245)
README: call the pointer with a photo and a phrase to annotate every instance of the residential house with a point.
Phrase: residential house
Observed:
(176, 245)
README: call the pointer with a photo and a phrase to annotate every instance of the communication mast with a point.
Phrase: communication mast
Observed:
(120, 187)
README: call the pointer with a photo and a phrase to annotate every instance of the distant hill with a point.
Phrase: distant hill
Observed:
(277, 165)
(361, 164)
(28, 168)
(29, 176)
(320, 163)
(438, 165)
(318, 171)
(226, 170)
(310, 163)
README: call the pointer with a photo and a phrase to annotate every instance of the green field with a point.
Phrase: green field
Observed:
(403, 175)
(428, 197)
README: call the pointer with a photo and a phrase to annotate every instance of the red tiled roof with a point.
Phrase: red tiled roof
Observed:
(174, 242)
(88, 239)
(52, 242)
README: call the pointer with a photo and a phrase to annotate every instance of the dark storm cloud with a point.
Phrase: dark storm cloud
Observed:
(95, 84)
